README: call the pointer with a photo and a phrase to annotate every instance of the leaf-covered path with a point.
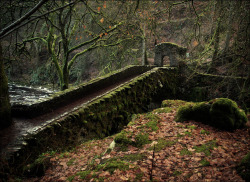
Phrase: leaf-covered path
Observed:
(154, 147)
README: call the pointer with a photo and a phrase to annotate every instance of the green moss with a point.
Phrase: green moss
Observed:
(141, 139)
(241, 118)
(177, 173)
(225, 114)
(122, 141)
(39, 166)
(139, 176)
(152, 125)
(161, 144)
(204, 132)
(173, 103)
(71, 162)
(192, 127)
(179, 135)
(185, 151)
(122, 138)
(204, 162)
(222, 113)
(152, 117)
(134, 117)
(184, 113)
(83, 174)
(133, 157)
(206, 148)
(188, 133)
(71, 178)
(113, 164)
(201, 112)
(243, 169)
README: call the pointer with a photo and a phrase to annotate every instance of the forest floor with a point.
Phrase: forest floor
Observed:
(154, 147)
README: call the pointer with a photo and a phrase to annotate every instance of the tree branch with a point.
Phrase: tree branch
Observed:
(91, 48)
(92, 40)
(24, 17)
(7, 32)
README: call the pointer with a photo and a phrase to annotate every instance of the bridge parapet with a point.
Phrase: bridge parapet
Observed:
(62, 98)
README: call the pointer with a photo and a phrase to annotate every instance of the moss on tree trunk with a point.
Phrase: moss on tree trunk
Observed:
(5, 109)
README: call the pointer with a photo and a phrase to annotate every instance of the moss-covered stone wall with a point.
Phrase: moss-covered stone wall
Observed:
(64, 97)
(102, 117)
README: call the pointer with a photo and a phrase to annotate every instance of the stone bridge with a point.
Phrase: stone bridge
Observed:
(95, 109)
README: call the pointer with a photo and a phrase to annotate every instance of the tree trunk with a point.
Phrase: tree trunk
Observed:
(229, 27)
(5, 108)
(65, 84)
(144, 51)
(217, 34)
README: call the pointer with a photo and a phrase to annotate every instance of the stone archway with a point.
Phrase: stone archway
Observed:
(168, 49)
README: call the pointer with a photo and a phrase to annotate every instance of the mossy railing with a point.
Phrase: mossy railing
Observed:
(65, 97)
(101, 117)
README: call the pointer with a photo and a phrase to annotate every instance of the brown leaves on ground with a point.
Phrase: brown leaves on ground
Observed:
(187, 151)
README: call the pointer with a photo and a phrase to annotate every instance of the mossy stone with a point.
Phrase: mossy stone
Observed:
(122, 138)
(224, 114)
(184, 113)
(201, 112)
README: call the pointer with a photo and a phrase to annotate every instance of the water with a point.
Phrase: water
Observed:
(27, 95)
